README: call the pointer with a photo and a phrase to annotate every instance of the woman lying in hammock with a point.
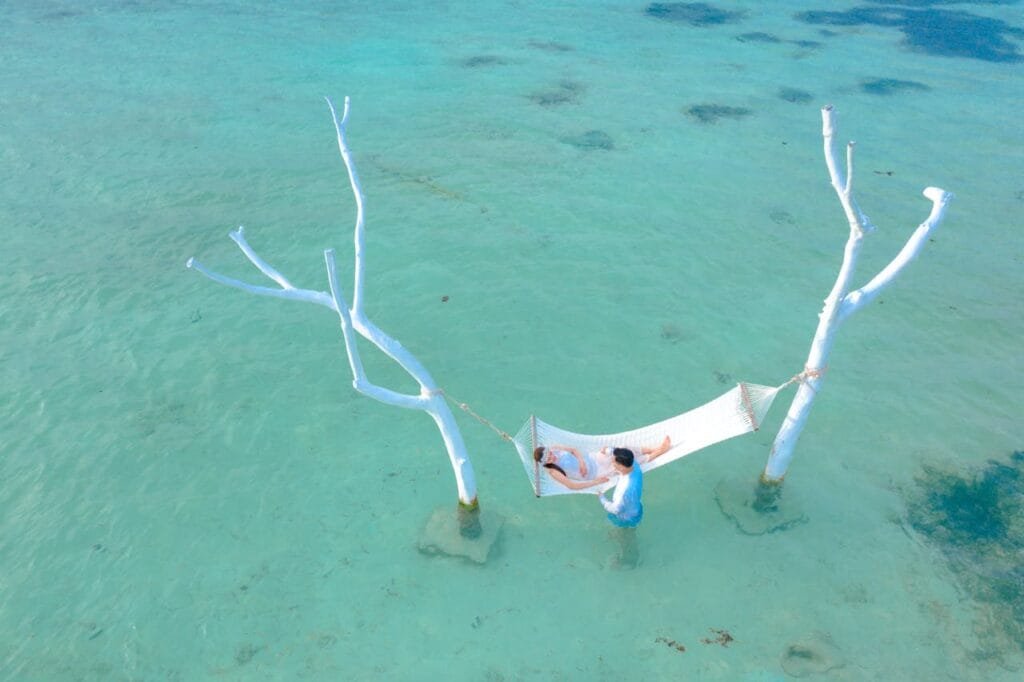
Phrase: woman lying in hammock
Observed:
(577, 471)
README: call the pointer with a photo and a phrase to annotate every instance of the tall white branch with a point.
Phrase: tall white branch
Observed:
(841, 302)
(354, 321)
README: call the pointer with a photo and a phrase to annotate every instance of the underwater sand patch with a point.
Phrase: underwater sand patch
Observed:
(757, 509)
(815, 654)
(459, 534)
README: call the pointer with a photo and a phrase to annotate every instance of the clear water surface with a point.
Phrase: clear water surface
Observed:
(627, 209)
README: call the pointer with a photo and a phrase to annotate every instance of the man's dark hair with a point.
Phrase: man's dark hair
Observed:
(623, 456)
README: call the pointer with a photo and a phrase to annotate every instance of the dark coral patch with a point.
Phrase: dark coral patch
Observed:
(770, 39)
(781, 217)
(63, 14)
(977, 520)
(795, 95)
(938, 32)
(758, 37)
(711, 113)
(932, 3)
(962, 511)
(891, 86)
(482, 60)
(552, 98)
(692, 13)
(566, 92)
(592, 140)
(550, 46)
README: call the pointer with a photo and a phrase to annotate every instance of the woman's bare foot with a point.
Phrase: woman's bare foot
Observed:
(665, 446)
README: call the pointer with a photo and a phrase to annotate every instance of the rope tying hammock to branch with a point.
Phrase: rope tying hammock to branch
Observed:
(808, 373)
(468, 410)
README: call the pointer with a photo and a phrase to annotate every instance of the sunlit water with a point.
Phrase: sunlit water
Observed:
(192, 490)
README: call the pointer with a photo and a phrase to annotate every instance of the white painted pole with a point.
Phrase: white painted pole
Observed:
(841, 302)
(354, 321)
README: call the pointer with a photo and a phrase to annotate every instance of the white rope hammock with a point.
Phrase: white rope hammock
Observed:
(734, 413)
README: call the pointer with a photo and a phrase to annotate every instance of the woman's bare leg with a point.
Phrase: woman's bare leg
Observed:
(654, 453)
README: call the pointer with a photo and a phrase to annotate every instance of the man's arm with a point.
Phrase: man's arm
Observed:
(614, 505)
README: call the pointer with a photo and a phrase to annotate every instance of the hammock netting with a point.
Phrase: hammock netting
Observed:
(734, 413)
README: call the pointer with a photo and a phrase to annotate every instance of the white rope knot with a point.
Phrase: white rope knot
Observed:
(807, 373)
(813, 372)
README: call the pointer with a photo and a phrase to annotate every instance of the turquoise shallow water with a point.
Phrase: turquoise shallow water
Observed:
(192, 490)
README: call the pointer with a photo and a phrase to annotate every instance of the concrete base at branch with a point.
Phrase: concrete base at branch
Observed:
(756, 508)
(461, 533)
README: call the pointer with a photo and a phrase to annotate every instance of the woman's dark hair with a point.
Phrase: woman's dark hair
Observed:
(623, 456)
(538, 455)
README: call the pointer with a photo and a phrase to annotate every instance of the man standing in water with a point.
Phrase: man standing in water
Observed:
(625, 509)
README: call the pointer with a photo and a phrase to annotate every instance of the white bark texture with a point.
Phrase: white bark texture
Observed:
(354, 321)
(842, 302)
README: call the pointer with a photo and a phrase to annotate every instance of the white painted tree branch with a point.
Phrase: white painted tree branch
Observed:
(354, 321)
(359, 381)
(841, 302)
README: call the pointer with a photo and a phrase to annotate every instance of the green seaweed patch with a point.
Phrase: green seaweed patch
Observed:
(693, 13)
(977, 521)
(672, 644)
(721, 638)
(891, 86)
(712, 113)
